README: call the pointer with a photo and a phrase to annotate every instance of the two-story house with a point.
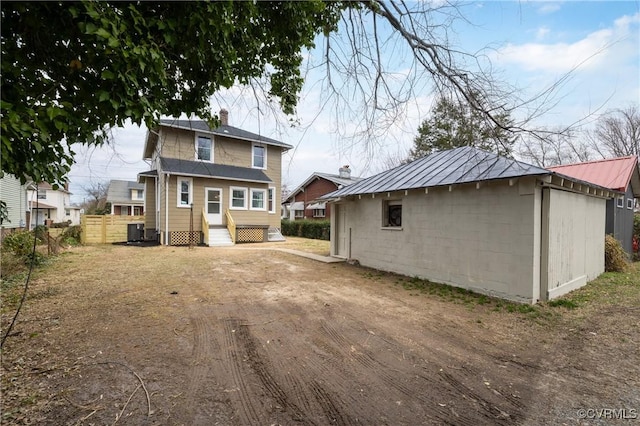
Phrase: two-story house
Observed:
(303, 203)
(213, 186)
(126, 198)
(50, 205)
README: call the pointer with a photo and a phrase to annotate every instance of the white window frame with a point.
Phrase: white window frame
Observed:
(179, 180)
(271, 199)
(244, 198)
(42, 194)
(264, 199)
(198, 136)
(137, 194)
(630, 203)
(385, 214)
(320, 212)
(253, 156)
(620, 202)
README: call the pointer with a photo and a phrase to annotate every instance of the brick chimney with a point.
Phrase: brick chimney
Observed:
(345, 172)
(224, 117)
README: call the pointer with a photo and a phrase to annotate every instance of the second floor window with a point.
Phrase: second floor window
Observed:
(42, 194)
(259, 157)
(203, 148)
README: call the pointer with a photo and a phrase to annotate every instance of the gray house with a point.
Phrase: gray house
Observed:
(619, 174)
(475, 220)
(126, 198)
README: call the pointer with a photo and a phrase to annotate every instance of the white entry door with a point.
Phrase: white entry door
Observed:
(213, 200)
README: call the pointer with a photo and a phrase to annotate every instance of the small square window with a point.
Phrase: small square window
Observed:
(258, 199)
(620, 202)
(630, 203)
(238, 198)
(319, 212)
(392, 214)
(42, 194)
(203, 148)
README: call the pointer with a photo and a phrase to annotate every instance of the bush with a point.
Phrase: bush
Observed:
(615, 258)
(71, 235)
(315, 229)
(20, 245)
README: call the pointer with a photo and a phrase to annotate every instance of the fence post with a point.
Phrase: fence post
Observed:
(103, 237)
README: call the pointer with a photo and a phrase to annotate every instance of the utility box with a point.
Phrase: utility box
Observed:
(135, 232)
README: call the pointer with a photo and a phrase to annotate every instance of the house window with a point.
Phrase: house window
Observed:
(203, 148)
(319, 212)
(42, 194)
(392, 214)
(238, 198)
(137, 194)
(620, 202)
(259, 157)
(271, 200)
(299, 214)
(630, 203)
(137, 210)
(258, 199)
(67, 212)
(124, 210)
(185, 192)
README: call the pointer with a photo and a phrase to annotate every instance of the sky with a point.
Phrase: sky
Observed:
(529, 44)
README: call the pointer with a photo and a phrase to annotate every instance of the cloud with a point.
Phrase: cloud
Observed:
(548, 7)
(596, 49)
(542, 32)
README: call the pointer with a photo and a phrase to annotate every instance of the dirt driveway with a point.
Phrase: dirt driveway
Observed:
(248, 336)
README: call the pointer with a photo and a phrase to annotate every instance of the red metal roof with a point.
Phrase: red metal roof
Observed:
(614, 173)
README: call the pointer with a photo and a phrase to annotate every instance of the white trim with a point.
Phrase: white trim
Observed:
(179, 180)
(253, 147)
(264, 199)
(195, 142)
(237, 188)
(272, 190)
(620, 202)
(630, 203)
(220, 202)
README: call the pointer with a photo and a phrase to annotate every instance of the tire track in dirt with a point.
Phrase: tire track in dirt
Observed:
(248, 412)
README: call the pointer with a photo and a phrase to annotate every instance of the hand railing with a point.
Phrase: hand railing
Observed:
(205, 226)
(231, 225)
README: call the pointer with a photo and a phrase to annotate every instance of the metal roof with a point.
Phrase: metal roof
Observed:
(613, 173)
(212, 170)
(456, 166)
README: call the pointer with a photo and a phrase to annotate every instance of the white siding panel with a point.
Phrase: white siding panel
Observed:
(576, 241)
(481, 239)
(14, 195)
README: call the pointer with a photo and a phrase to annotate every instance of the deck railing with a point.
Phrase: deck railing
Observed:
(231, 225)
(205, 227)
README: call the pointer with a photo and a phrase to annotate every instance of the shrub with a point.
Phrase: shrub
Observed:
(71, 235)
(615, 258)
(315, 229)
(20, 245)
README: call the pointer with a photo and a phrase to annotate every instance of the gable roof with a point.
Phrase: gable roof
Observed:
(336, 179)
(613, 173)
(455, 166)
(212, 170)
(119, 191)
(202, 127)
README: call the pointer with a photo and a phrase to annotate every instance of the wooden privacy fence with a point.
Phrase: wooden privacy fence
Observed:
(106, 229)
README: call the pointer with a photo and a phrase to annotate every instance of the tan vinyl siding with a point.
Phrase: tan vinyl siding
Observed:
(150, 204)
(177, 143)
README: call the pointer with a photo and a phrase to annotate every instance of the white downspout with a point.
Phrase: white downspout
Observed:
(166, 209)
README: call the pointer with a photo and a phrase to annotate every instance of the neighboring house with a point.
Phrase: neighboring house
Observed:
(50, 206)
(126, 198)
(619, 174)
(16, 196)
(475, 220)
(216, 186)
(303, 201)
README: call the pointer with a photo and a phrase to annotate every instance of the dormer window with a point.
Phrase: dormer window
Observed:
(137, 194)
(259, 157)
(204, 150)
